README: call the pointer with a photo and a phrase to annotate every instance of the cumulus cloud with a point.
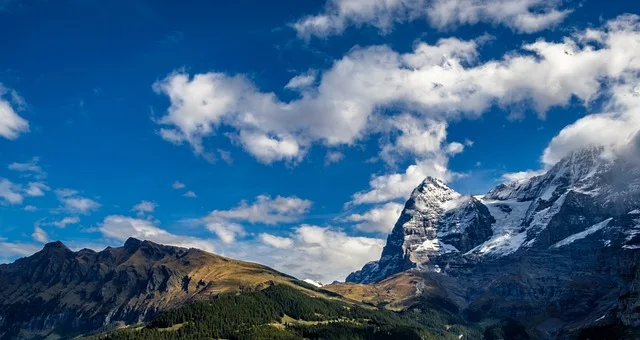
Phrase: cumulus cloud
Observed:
(454, 148)
(75, 204)
(10, 192)
(323, 254)
(524, 16)
(268, 149)
(384, 188)
(276, 241)
(144, 207)
(410, 135)
(434, 82)
(13, 193)
(40, 235)
(618, 62)
(11, 124)
(266, 210)
(614, 129)
(36, 189)
(121, 228)
(379, 219)
(226, 231)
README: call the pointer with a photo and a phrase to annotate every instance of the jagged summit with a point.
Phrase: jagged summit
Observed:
(56, 245)
(132, 243)
(529, 242)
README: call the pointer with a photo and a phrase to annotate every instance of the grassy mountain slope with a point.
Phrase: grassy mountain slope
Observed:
(58, 291)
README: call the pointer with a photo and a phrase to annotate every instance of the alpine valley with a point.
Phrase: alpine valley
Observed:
(555, 256)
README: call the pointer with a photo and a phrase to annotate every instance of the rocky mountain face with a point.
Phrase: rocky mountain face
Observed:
(560, 251)
(58, 291)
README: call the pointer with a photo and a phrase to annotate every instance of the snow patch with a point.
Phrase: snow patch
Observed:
(507, 237)
(454, 203)
(313, 283)
(548, 193)
(594, 228)
(503, 244)
(435, 246)
(542, 218)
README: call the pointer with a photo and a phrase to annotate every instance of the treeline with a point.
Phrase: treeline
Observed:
(259, 315)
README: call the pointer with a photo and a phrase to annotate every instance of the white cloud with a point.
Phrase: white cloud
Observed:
(266, 210)
(276, 241)
(333, 157)
(226, 231)
(302, 81)
(36, 189)
(454, 148)
(385, 188)
(410, 135)
(30, 208)
(12, 249)
(524, 16)
(30, 168)
(65, 221)
(379, 219)
(320, 253)
(40, 235)
(144, 207)
(11, 124)
(435, 82)
(612, 129)
(75, 204)
(178, 185)
(190, 194)
(521, 175)
(121, 228)
(10, 193)
(268, 149)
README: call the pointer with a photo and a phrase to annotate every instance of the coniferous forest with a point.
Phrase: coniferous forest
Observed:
(283, 312)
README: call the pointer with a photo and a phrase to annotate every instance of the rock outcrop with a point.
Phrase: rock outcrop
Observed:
(560, 251)
(58, 291)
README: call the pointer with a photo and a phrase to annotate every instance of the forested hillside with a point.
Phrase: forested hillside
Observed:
(282, 312)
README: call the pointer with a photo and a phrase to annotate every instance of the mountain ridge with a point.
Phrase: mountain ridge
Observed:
(525, 247)
(59, 290)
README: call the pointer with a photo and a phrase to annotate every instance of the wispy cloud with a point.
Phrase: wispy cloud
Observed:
(73, 203)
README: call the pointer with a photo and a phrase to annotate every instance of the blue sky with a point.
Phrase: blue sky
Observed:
(290, 132)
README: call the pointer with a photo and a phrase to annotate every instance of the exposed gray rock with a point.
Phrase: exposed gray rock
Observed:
(559, 251)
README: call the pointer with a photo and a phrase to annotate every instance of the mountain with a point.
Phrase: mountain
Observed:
(558, 252)
(145, 290)
(60, 291)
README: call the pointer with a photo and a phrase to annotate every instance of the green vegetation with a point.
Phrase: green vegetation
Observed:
(283, 312)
